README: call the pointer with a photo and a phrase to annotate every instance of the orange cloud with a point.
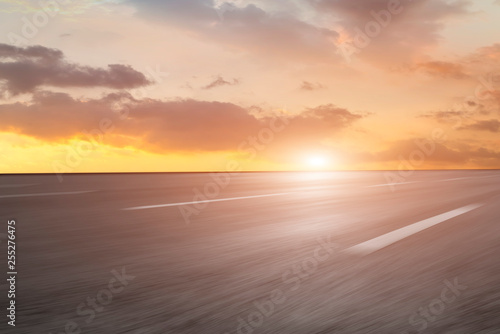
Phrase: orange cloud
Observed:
(450, 154)
(161, 126)
(491, 125)
(443, 69)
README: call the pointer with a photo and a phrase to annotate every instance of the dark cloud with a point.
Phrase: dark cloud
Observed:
(406, 33)
(23, 70)
(220, 81)
(245, 29)
(357, 11)
(491, 125)
(33, 52)
(310, 86)
(163, 126)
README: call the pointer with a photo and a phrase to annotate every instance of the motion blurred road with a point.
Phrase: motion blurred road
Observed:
(339, 252)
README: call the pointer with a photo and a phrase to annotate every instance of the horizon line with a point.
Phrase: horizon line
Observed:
(261, 171)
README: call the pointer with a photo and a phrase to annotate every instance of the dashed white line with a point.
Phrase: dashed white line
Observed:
(385, 240)
(47, 194)
(392, 184)
(18, 185)
(457, 178)
(444, 180)
(465, 178)
(205, 201)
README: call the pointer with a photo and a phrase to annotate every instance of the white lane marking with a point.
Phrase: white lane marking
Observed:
(445, 180)
(458, 178)
(465, 178)
(205, 201)
(18, 185)
(48, 194)
(392, 184)
(385, 240)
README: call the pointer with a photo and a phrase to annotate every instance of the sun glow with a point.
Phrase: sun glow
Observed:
(318, 162)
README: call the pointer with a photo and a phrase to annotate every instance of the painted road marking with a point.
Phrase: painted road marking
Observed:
(465, 178)
(385, 240)
(18, 185)
(205, 201)
(444, 180)
(392, 184)
(47, 194)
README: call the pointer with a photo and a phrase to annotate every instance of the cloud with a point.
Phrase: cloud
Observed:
(329, 114)
(402, 149)
(162, 126)
(292, 36)
(220, 81)
(489, 53)
(34, 52)
(248, 29)
(469, 114)
(453, 153)
(403, 36)
(311, 86)
(313, 128)
(23, 70)
(491, 125)
(449, 116)
(443, 69)
(482, 65)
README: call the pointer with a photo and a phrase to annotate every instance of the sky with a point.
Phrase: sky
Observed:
(213, 85)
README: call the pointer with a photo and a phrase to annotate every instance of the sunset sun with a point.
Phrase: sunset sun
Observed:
(318, 161)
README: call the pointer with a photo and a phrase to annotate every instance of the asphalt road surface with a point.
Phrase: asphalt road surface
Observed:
(340, 252)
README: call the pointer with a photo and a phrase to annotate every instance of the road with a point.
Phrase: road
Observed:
(339, 252)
